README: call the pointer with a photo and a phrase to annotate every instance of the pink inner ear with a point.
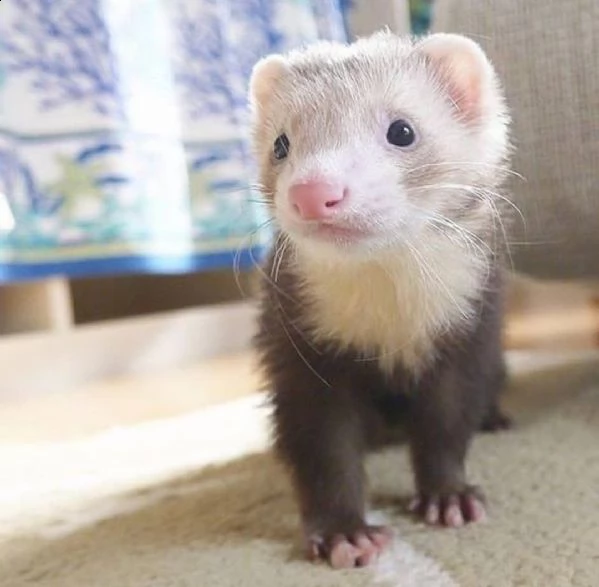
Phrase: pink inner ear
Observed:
(461, 73)
(465, 94)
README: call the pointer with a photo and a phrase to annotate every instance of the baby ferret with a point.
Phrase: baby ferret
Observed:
(381, 162)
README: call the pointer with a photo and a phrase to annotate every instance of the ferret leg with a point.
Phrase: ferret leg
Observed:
(320, 436)
(443, 420)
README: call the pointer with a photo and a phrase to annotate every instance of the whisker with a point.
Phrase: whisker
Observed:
(468, 189)
(459, 164)
(510, 204)
(281, 253)
(435, 277)
(472, 241)
(265, 275)
(497, 217)
(246, 242)
(488, 196)
(464, 236)
(476, 190)
(298, 351)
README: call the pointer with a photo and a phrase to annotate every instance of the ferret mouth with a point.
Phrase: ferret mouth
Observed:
(338, 233)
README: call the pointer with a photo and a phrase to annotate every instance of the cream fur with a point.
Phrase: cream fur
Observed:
(391, 310)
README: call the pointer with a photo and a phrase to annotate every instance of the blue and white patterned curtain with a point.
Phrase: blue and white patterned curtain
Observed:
(123, 140)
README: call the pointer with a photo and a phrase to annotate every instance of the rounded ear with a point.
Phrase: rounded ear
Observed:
(463, 69)
(264, 78)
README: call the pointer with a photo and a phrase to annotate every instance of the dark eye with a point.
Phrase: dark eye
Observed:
(401, 134)
(281, 147)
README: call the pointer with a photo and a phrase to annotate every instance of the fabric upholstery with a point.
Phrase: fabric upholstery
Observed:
(547, 54)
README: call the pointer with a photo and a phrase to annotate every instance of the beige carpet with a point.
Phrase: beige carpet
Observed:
(175, 503)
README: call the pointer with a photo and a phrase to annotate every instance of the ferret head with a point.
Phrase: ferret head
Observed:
(374, 145)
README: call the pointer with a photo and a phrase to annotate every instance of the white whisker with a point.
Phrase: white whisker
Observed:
(297, 349)
(263, 273)
(461, 164)
(283, 249)
(246, 242)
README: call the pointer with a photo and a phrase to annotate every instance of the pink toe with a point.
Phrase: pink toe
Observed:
(343, 555)
(363, 542)
(479, 514)
(453, 516)
(432, 513)
(474, 509)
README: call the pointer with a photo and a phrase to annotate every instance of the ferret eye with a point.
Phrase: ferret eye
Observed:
(401, 134)
(281, 147)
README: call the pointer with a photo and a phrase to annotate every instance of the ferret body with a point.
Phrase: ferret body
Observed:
(381, 162)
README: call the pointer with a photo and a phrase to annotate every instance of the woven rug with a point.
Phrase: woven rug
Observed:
(198, 501)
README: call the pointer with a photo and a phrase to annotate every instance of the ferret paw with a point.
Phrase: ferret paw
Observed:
(452, 510)
(358, 548)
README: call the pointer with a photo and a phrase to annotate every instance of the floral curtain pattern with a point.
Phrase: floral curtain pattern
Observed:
(122, 138)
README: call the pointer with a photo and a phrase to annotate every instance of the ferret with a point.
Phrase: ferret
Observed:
(381, 162)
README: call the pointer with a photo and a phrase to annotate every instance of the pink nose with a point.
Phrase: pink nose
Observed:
(316, 200)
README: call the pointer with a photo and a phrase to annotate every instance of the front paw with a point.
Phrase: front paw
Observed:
(359, 547)
(452, 509)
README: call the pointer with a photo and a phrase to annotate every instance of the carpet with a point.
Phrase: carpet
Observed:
(197, 501)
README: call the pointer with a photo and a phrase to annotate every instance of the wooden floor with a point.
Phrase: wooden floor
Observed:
(540, 317)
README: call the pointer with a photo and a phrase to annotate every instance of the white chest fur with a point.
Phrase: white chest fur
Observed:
(392, 310)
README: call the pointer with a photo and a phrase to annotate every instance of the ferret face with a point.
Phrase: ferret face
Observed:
(375, 145)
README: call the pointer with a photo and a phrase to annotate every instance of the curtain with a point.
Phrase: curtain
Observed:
(123, 136)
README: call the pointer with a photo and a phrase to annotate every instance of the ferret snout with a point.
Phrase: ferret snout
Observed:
(316, 199)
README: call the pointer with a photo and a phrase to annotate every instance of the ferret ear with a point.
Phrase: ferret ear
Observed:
(265, 77)
(462, 67)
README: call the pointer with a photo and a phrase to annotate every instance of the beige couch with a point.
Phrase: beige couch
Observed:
(547, 53)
